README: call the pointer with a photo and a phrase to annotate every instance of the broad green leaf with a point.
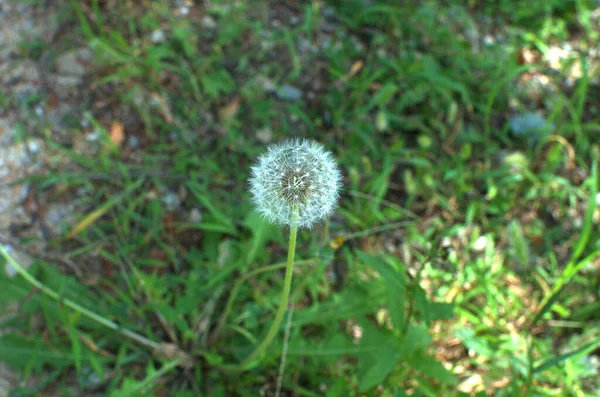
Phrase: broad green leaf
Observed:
(395, 283)
(375, 366)
(440, 311)
(431, 368)
(432, 311)
(339, 387)
(351, 303)
(416, 338)
(474, 342)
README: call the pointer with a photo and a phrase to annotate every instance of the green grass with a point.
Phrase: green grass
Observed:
(463, 258)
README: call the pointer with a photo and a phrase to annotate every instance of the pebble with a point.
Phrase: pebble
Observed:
(267, 84)
(209, 22)
(195, 215)
(157, 36)
(171, 201)
(289, 93)
(20, 257)
(265, 135)
(74, 62)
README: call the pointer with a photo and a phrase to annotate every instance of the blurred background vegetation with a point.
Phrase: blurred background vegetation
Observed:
(463, 259)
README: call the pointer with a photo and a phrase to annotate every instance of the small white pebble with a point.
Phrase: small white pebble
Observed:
(157, 36)
(195, 215)
(480, 243)
(33, 146)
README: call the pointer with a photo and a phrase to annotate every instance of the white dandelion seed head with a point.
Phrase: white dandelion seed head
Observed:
(297, 173)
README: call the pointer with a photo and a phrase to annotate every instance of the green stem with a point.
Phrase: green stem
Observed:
(285, 295)
(236, 289)
(72, 305)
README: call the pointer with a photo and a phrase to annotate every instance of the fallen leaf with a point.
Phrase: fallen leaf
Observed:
(171, 351)
(337, 243)
(164, 107)
(117, 134)
(229, 111)
(354, 69)
(526, 56)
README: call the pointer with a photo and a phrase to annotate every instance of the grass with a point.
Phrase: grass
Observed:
(463, 258)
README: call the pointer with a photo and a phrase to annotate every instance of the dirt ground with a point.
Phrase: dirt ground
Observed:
(27, 79)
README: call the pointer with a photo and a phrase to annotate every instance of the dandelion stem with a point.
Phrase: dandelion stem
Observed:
(287, 287)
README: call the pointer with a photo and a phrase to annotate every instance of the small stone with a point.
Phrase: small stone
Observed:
(33, 146)
(66, 81)
(133, 142)
(289, 93)
(8, 380)
(209, 22)
(264, 135)
(157, 36)
(480, 243)
(531, 125)
(20, 257)
(93, 136)
(60, 217)
(267, 84)
(329, 13)
(74, 62)
(195, 215)
(171, 201)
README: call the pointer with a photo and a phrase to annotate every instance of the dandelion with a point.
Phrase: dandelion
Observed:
(295, 183)
(296, 175)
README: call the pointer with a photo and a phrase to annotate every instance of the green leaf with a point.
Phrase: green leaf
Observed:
(220, 222)
(518, 241)
(575, 265)
(588, 221)
(440, 311)
(416, 338)
(375, 366)
(134, 388)
(474, 342)
(431, 368)
(384, 95)
(350, 303)
(339, 387)
(395, 283)
(19, 351)
(587, 348)
(336, 346)
(76, 349)
(262, 233)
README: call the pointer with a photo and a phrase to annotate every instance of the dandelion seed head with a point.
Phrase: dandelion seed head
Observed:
(296, 173)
